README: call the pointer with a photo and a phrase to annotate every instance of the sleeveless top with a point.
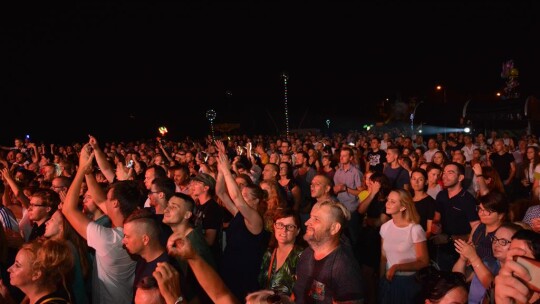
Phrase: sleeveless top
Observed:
(482, 242)
(241, 260)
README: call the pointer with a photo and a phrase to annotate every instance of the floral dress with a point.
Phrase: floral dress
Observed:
(282, 279)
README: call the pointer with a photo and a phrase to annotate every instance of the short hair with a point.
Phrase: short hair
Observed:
(339, 211)
(49, 198)
(129, 194)
(394, 149)
(159, 171)
(432, 166)
(187, 198)
(64, 180)
(495, 201)
(346, 148)
(437, 283)
(180, 167)
(512, 226)
(275, 167)
(145, 221)
(147, 283)
(531, 238)
(460, 167)
(165, 185)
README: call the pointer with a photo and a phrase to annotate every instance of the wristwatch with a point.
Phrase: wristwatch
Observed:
(180, 300)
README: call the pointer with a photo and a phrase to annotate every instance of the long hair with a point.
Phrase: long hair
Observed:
(70, 235)
(496, 183)
(53, 259)
(406, 201)
(386, 187)
(535, 161)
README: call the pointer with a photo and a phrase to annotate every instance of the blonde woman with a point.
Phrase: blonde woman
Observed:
(403, 251)
(40, 271)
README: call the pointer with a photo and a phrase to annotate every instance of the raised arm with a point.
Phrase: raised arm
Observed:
(480, 181)
(76, 218)
(96, 191)
(165, 153)
(253, 220)
(101, 159)
(206, 275)
(17, 191)
(221, 188)
(35, 155)
(373, 189)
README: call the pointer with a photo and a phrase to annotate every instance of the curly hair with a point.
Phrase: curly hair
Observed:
(52, 258)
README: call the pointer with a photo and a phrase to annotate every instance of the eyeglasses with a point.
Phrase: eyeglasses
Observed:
(152, 192)
(36, 205)
(289, 227)
(501, 242)
(484, 211)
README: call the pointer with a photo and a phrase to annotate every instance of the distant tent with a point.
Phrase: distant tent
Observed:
(510, 113)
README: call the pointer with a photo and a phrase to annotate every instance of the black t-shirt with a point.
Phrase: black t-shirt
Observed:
(426, 209)
(501, 163)
(457, 212)
(144, 268)
(336, 277)
(37, 231)
(210, 216)
(376, 160)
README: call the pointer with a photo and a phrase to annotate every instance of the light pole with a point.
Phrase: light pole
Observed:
(443, 89)
(412, 117)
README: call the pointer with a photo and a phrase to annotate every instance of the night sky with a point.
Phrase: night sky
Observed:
(119, 65)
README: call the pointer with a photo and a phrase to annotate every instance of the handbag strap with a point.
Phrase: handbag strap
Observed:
(54, 299)
(270, 267)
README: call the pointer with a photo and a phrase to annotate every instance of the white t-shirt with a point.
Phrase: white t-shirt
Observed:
(399, 243)
(114, 270)
(428, 155)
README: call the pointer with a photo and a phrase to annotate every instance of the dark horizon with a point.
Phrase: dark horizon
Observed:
(347, 56)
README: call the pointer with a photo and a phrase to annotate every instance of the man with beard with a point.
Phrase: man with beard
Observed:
(327, 271)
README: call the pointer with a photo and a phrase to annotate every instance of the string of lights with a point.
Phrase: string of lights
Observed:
(285, 79)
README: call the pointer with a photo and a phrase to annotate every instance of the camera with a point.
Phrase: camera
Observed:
(130, 164)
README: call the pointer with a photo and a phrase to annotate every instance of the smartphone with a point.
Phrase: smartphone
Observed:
(130, 164)
(533, 267)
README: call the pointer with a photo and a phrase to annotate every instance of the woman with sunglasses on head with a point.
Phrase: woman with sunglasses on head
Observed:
(278, 268)
(485, 270)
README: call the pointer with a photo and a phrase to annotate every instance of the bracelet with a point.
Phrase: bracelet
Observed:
(475, 265)
(479, 175)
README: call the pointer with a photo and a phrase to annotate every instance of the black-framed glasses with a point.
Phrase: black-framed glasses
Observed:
(289, 227)
(501, 242)
(484, 211)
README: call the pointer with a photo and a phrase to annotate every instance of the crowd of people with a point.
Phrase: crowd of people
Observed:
(363, 217)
